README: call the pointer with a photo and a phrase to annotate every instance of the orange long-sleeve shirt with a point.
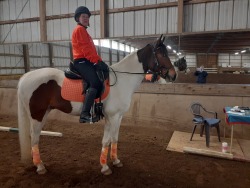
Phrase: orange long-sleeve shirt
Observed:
(83, 45)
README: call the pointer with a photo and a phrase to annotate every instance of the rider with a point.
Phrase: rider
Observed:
(86, 60)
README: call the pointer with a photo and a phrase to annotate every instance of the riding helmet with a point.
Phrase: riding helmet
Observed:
(81, 10)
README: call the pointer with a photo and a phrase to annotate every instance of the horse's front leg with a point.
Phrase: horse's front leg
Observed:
(111, 132)
(113, 155)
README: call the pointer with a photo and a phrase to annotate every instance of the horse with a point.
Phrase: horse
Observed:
(181, 63)
(39, 92)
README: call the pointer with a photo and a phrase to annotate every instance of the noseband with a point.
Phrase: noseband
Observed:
(157, 68)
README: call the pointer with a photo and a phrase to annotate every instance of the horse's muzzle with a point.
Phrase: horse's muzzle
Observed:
(169, 75)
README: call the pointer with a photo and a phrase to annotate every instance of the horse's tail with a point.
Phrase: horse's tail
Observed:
(23, 124)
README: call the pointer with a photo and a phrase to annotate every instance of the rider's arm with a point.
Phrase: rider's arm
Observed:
(86, 45)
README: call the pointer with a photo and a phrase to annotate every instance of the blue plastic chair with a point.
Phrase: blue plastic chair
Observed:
(199, 118)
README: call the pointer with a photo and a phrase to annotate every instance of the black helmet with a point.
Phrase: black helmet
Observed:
(81, 10)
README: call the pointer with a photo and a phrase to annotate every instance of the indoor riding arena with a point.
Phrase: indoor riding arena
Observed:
(187, 126)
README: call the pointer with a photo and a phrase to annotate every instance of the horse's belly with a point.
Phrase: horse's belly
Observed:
(76, 108)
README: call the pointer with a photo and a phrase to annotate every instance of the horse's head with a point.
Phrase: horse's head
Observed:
(181, 64)
(155, 58)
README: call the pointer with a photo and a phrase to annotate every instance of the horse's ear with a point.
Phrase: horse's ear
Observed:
(160, 37)
(159, 40)
(163, 39)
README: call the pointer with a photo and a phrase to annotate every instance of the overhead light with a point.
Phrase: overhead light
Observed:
(180, 53)
(169, 47)
(243, 51)
(174, 51)
(236, 53)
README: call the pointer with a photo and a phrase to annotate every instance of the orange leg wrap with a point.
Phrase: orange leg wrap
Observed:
(103, 157)
(113, 152)
(36, 155)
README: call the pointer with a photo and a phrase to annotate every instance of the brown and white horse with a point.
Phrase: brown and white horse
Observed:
(39, 92)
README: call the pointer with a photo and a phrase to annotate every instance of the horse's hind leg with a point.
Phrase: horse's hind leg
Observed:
(111, 132)
(36, 128)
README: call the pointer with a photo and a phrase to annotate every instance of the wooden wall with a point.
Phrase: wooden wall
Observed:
(213, 78)
(164, 106)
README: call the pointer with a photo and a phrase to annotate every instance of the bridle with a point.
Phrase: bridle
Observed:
(158, 69)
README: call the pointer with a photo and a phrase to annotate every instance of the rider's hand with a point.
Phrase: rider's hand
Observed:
(101, 66)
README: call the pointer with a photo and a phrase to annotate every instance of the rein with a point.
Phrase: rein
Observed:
(123, 72)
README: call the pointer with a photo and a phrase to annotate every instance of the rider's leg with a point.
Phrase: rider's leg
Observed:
(87, 104)
(88, 73)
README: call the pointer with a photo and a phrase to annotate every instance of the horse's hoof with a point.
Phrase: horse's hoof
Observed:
(40, 172)
(107, 172)
(118, 165)
(41, 169)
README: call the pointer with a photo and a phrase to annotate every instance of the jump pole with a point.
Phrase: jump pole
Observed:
(15, 130)
(209, 153)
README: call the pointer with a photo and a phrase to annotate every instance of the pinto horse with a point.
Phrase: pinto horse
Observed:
(39, 92)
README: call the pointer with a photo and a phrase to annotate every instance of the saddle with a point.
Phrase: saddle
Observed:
(74, 87)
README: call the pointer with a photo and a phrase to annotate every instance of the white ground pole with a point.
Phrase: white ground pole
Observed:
(47, 133)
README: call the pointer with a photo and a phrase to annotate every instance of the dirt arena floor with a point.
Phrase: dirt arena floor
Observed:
(73, 160)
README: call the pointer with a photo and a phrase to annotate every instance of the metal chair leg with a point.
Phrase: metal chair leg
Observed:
(202, 130)
(218, 131)
(207, 132)
(193, 132)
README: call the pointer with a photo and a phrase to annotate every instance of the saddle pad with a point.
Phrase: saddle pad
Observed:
(72, 90)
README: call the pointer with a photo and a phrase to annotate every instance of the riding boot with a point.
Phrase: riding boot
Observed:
(87, 104)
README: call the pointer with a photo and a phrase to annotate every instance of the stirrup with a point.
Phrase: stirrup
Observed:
(83, 120)
(90, 120)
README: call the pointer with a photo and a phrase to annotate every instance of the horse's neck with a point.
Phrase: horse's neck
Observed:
(130, 64)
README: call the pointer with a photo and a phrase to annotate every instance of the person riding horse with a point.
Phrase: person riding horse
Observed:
(86, 60)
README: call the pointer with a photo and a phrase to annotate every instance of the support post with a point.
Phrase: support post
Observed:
(180, 16)
(99, 51)
(110, 52)
(26, 58)
(71, 52)
(42, 15)
(103, 18)
(51, 55)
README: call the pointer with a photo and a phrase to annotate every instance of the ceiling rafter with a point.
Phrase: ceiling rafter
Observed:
(220, 42)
